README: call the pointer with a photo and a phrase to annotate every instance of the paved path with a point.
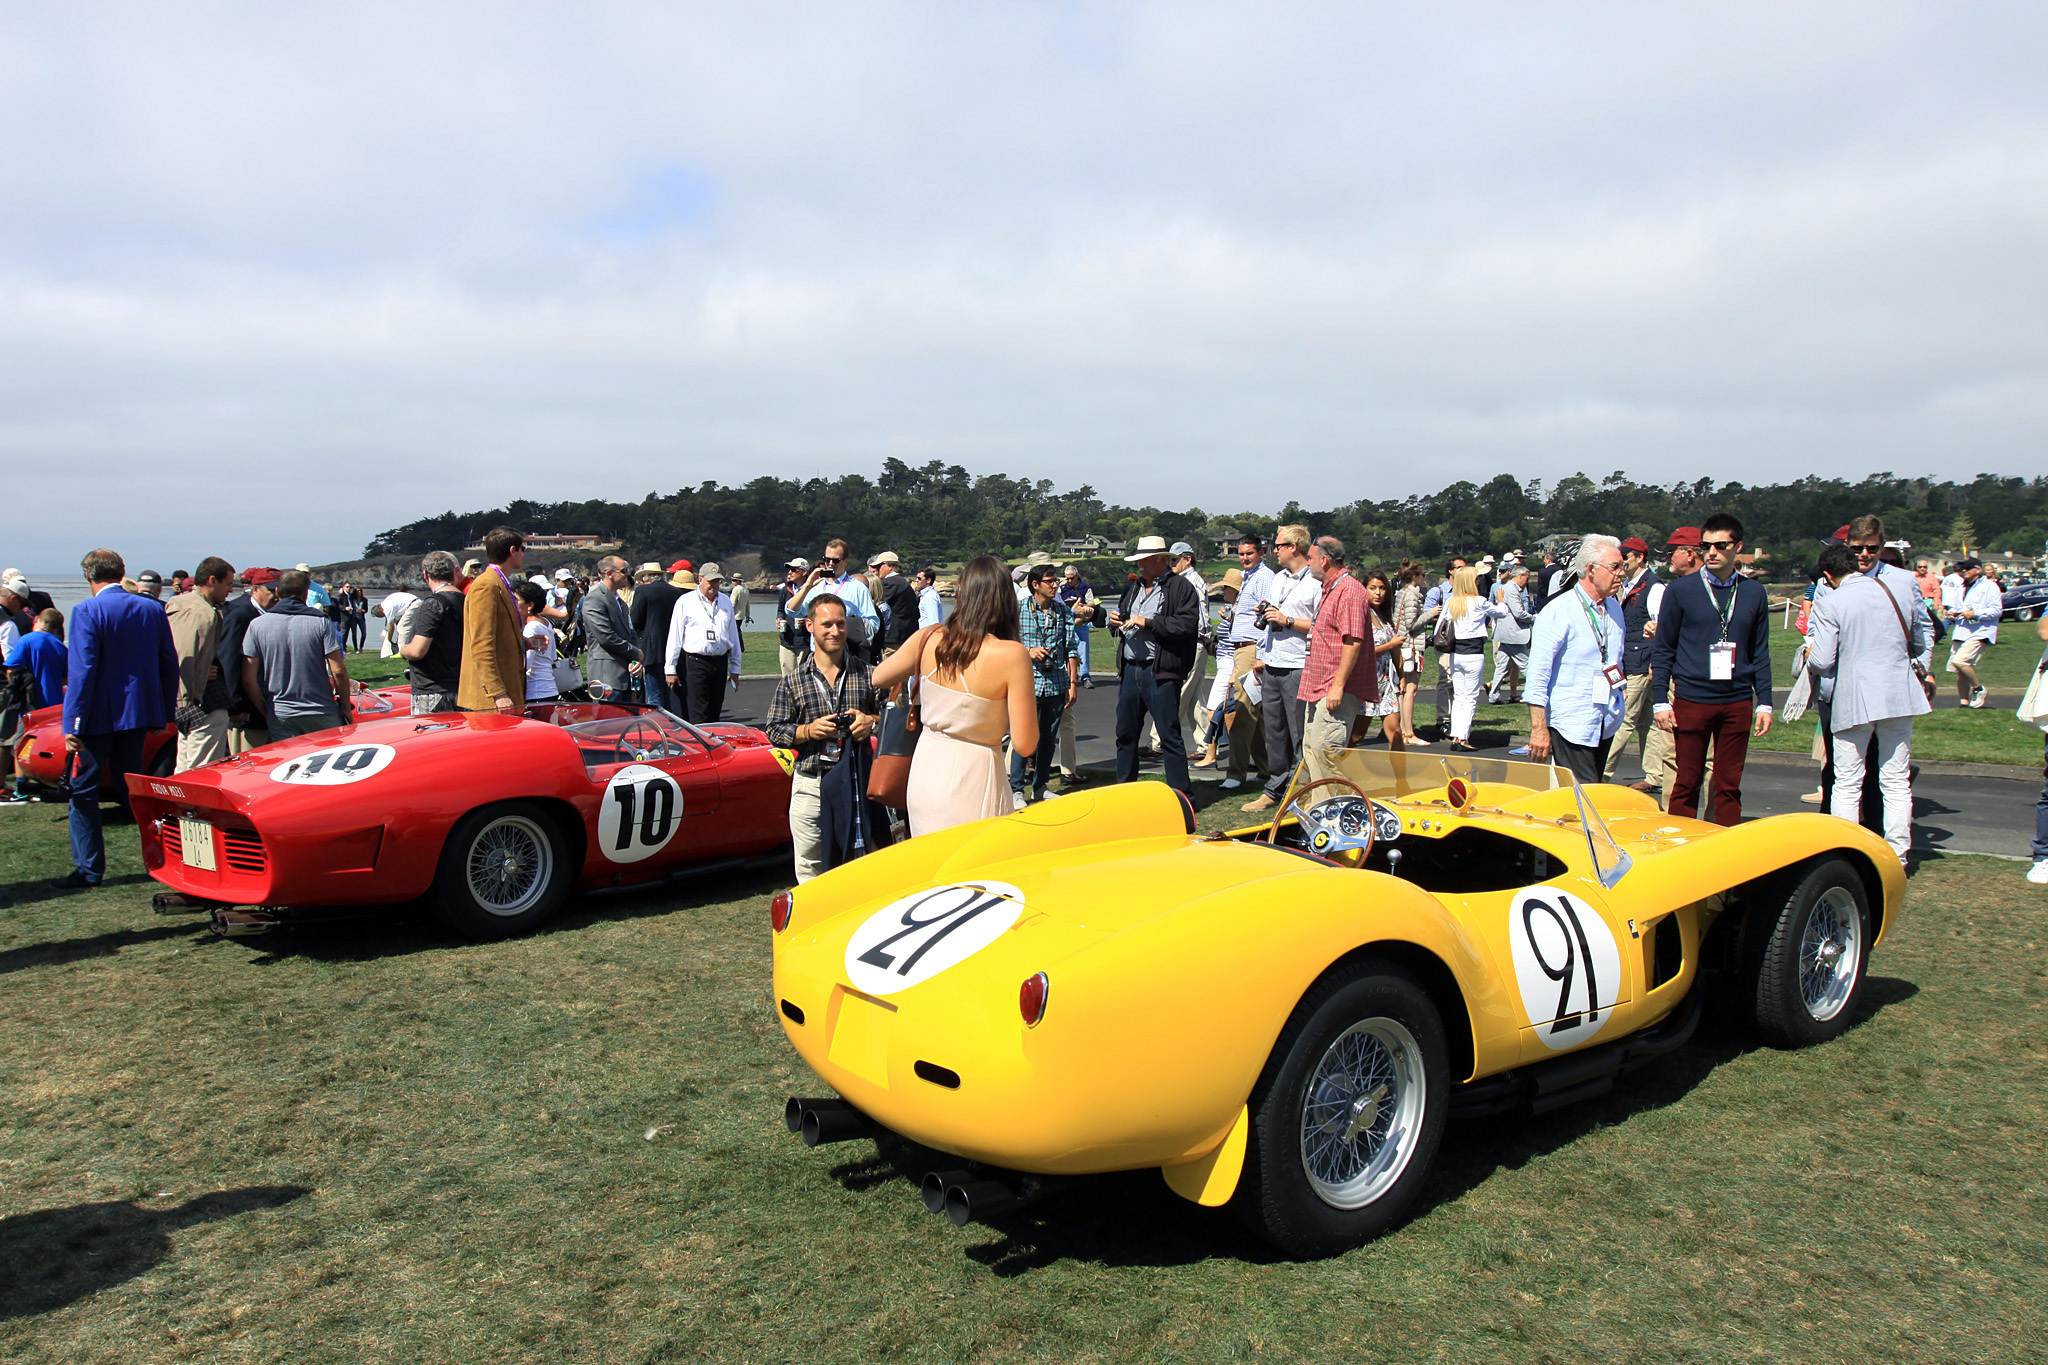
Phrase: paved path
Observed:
(1956, 807)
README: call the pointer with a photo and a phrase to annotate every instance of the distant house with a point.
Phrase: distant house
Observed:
(1083, 545)
(1226, 544)
(567, 542)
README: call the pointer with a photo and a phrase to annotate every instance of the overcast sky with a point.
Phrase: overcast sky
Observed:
(276, 277)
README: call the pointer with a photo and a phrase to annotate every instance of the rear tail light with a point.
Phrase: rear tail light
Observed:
(779, 911)
(1031, 997)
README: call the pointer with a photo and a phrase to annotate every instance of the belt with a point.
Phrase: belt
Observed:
(1139, 663)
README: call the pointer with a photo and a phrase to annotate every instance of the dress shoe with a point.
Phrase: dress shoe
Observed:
(1231, 784)
(1264, 802)
(77, 881)
(1645, 787)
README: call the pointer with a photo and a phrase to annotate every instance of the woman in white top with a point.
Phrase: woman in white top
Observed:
(539, 638)
(1217, 712)
(1468, 614)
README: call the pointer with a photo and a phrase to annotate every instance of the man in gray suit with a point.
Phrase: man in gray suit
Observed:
(615, 663)
(1865, 640)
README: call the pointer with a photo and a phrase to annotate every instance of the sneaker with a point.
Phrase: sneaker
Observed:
(15, 798)
(1521, 751)
(1231, 784)
(1977, 699)
(2038, 873)
(1016, 800)
(1814, 798)
(1048, 796)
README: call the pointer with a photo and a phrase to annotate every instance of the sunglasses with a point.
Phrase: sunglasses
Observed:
(1717, 545)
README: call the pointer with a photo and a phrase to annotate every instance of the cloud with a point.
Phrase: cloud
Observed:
(280, 278)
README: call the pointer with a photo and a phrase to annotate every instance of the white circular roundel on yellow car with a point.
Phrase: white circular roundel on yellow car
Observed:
(919, 936)
(336, 766)
(1567, 966)
(642, 807)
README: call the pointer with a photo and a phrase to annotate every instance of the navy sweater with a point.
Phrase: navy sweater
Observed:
(1689, 625)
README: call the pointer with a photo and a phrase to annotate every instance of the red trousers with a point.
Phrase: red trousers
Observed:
(1728, 725)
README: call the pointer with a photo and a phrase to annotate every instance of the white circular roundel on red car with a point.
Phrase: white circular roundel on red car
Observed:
(1567, 965)
(642, 808)
(919, 936)
(336, 766)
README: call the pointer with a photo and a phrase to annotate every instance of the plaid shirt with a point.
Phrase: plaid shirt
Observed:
(803, 696)
(1053, 627)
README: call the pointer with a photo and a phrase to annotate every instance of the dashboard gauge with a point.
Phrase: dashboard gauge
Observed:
(1386, 824)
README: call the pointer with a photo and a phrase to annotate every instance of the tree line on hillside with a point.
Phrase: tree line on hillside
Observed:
(939, 512)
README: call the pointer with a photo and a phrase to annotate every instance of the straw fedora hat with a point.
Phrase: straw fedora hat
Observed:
(1148, 546)
(1232, 582)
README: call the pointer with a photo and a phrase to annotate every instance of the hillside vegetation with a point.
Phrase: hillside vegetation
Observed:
(940, 512)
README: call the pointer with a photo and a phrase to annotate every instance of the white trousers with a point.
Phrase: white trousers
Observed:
(1466, 670)
(806, 826)
(1894, 765)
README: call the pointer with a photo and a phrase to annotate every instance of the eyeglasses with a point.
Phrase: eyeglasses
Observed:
(1717, 544)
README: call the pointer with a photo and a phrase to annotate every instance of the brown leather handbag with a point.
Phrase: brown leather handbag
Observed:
(895, 744)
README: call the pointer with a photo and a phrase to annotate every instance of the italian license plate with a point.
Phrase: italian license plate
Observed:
(196, 839)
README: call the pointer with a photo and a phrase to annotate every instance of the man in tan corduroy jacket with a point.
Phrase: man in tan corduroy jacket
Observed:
(493, 655)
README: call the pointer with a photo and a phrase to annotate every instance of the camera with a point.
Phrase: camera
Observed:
(844, 720)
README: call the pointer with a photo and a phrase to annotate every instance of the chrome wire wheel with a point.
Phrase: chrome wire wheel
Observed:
(1830, 953)
(511, 861)
(1361, 1113)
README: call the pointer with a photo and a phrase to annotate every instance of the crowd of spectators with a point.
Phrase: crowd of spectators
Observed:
(1609, 643)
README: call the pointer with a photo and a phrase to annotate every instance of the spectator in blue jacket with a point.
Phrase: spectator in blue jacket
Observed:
(123, 684)
(42, 653)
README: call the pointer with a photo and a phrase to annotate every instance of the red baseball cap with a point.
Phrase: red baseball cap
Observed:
(1840, 537)
(257, 578)
(681, 566)
(1635, 543)
(1684, 536)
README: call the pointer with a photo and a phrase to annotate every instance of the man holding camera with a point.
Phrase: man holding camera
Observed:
(823, 701)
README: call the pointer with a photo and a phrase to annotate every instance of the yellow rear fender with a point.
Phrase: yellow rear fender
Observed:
(1175, 1016)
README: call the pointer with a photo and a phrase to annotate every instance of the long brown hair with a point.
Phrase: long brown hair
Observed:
(984, 607)
(1385, 610)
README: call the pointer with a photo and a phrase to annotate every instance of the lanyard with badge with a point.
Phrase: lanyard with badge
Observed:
(1721, 656)
(1611, 671)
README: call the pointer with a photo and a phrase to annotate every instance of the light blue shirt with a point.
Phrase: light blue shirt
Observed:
(1567, 676)
(1244, 617)
(931, 608)
(859, 602)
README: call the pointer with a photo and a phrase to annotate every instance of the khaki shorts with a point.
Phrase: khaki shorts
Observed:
(1966, 653)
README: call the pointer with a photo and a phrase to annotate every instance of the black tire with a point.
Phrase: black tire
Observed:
(532, 878)
(1805, 951)
(1390, 1034)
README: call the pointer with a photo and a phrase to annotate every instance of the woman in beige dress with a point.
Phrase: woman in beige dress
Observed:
(973, 687)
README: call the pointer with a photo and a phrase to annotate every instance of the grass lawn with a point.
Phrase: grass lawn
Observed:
(365, 1141)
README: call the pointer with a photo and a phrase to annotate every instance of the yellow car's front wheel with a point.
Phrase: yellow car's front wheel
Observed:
(1347, 1116)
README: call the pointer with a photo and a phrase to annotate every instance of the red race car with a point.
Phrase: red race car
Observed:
(494, 819)
(39, 753)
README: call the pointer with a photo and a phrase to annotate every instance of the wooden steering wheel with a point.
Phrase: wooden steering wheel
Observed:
(1325, 841)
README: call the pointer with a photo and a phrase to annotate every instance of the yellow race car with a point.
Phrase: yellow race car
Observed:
(1283, 1018)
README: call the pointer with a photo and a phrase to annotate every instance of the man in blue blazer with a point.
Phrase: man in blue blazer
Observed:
(124, 680)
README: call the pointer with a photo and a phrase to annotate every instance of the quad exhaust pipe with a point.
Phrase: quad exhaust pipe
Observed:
(821, 1121)
(964, 1197)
